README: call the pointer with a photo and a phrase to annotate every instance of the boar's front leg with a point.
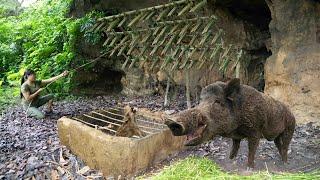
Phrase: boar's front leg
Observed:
(235, 148)
(253, 145)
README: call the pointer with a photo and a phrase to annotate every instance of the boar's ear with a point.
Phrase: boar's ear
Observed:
(232, 86)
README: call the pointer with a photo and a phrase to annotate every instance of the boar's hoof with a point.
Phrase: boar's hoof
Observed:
(176, 128)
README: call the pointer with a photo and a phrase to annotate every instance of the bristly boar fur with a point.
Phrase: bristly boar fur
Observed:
(239, 112)
(129, 128)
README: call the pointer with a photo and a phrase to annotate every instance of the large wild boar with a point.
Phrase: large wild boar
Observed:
(239, 112)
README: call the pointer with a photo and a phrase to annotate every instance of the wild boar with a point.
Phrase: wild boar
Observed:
(239, 112)
(129, 128)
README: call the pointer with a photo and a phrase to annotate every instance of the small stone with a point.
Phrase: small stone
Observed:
(10, 166)
(169, 112)
(10, 171)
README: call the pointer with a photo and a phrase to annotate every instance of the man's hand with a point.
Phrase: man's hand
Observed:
(65, 73)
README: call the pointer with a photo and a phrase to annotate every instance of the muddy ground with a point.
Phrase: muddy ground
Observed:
(30, 148)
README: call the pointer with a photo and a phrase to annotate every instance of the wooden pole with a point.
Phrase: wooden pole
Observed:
(166, 99)
(238, 70)
(188, 89)
(144, 10)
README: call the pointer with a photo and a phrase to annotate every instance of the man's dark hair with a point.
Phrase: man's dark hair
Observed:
(25, 76)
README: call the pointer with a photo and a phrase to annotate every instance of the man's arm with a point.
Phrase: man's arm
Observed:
(47, 81)
(29, 96)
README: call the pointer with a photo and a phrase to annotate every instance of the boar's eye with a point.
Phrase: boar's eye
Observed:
(218, 101)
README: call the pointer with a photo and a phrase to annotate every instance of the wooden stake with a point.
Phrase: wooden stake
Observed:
(188, 89)
(166, 101)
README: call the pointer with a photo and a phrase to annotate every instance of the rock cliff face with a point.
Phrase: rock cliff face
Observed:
(281, 40)
(292, 73)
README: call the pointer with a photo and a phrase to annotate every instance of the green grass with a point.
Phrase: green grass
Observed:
(8, 97)
(203, 168)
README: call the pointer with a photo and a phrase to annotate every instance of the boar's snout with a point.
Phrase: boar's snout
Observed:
(176, 128)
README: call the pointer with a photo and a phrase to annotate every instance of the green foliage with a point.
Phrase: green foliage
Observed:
(203, 168)
(8, 97)
(86, 25)
(8, 7)
(41, 38)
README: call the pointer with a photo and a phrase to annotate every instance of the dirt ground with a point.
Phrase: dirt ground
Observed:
(31, 148)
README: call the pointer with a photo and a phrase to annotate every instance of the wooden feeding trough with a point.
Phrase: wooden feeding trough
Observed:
(92, 137)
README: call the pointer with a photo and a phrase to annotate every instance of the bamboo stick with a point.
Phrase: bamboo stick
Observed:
(183, 33)
(145, 9)
(119, 115)
(123, 48)
(113, 41)
(154, 62)
(201, 57)
(108, 117)
(184, 63)
(106, 128)
(193, 40)
(132, 62)
(99, 27)
(186, 21)
(125, 63)
(172, 11)
(154, 50)
(102, 120)
(113, 24)
(84, 122)
(159, 35)
(185, 9)
(215, 38)
(162, 14)
(191, 64)
(208, 26)
(174, 28)
(168, 45)
(136, 19)
(203, 40)
(149, 15)
(133, 44)
(198, 6)
(122, 22)
(196, 27)
(215, 51)
(107, 41)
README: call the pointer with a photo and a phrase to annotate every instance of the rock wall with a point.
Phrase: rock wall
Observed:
(292, 73)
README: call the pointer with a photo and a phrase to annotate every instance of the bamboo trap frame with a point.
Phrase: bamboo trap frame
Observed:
(149, 34)
(111, 119)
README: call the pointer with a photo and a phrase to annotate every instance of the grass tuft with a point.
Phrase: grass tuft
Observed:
(203, 168)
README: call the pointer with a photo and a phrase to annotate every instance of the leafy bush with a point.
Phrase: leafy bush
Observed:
(41, 38)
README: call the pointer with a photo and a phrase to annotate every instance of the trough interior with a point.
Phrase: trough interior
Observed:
(109, 120)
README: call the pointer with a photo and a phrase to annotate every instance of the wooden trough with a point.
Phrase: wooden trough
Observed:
(92, 137)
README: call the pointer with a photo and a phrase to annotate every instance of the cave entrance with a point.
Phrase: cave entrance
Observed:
(256, 13)
(100, 82)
